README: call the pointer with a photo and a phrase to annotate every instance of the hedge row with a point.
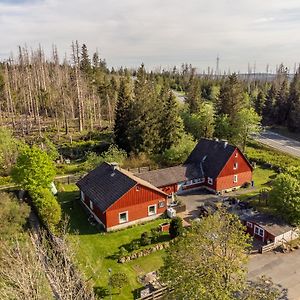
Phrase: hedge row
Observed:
(47, 206)
(267, 156)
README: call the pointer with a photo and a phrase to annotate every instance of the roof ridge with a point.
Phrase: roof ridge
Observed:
(139, 180)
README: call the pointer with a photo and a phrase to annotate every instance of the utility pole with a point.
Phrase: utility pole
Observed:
(217, 67)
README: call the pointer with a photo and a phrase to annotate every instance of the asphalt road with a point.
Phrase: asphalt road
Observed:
(279, 142)
(282, 268)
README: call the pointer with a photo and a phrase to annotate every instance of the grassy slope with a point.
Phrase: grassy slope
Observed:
(94, 247)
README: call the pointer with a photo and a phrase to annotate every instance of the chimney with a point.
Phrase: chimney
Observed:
(114, 166)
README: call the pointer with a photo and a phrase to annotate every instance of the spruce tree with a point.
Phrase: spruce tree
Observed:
(122, 115)
(171, 125)
(294, 98)
(269, 107)
(231, 99)
(259, 102)
(143, 129)
(85, 63)
(282, 105)
(193, 97)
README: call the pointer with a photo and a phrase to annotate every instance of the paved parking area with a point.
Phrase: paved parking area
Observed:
(283, 268)
(193, 200)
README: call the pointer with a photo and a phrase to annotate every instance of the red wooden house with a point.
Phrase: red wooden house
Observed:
(117, 198)
(215, 165)
(269, 229)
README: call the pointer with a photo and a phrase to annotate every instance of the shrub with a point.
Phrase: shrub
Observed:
(145, 239)
(118, 280)
(134, 245)
(155, 234)
(47, 206)
(176, 227)
(246, 185)
(266, 156)
(122, 252)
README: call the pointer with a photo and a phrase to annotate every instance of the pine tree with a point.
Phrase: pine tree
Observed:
(259, 102)
(294, 98)
(122, 115)
(282, 105)
(193, 98)
(85, 63)
(269, 107)
(231, 99)
(143, 129)
(171, 125)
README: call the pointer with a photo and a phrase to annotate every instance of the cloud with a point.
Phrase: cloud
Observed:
(156, 32)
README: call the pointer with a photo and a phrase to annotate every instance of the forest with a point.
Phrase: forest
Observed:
(79, 93)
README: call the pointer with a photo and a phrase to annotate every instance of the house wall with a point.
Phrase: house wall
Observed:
(96, 210)
(250, 229)
(169, 189)
(225, 179)
(136, 203)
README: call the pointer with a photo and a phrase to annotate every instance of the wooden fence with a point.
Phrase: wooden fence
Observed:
(157, 294)
(267, 247)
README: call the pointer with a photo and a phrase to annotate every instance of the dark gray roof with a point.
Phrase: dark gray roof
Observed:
(105, 186)
(167, 176)
(210, 156)
(271, 224)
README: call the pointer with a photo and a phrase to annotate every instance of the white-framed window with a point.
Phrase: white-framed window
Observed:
(161, 204)
(138, 188)
(235, 178)
(123, 217)
(210, 180)
(189, 182)
(91, 205)
(249, 224)
(152, 210)
(236, 155)
(235, 166)
(259, 231)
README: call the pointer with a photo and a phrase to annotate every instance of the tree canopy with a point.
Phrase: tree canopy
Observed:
(210, 261)
(33, 169)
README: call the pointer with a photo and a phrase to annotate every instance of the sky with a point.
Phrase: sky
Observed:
(160, 33)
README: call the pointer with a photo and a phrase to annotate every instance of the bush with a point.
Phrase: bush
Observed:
(47, 206)
(145, 239)
(246, 185)
(134, 245)
(176, 227)
(155, 235)
(118, 280)
(122, 252)
(266, 156)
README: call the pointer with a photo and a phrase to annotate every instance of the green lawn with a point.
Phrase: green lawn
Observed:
(262, 178)
(94, 247)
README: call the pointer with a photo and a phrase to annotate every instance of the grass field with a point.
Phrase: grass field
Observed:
(94, 247)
